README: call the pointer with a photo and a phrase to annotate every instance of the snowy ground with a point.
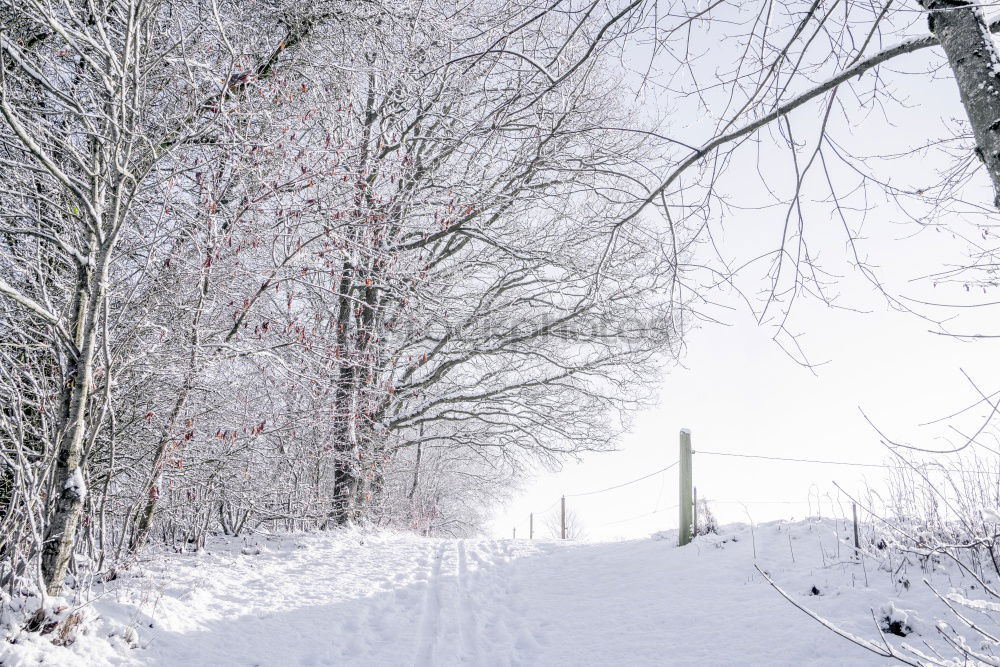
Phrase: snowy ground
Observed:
(377, 599)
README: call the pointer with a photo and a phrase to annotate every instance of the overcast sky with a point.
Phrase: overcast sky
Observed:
(740, 393)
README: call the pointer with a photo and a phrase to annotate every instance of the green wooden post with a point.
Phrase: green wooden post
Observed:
(686, 503)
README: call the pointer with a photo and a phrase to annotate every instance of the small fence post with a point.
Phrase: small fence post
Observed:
(562, 520)
(857, 542)
(694, 519)
(531, 526)
(515, 532)
(685, 504)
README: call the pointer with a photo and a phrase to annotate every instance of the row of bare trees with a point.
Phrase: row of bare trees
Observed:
(299, 264)
(303, 263)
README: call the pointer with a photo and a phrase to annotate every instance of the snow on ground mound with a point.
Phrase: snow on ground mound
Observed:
(347, 598)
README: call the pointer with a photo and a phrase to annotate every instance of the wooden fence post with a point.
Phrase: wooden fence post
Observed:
(562, 520)
(531, 526)
(685, 504)
(857, 542)
(694, 519)
(515, 532)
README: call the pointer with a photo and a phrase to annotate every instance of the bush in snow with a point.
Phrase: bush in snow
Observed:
(705, 522)
(894, 620)
(939, 523)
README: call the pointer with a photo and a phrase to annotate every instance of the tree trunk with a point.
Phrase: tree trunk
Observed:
(156, 476)
(416, 466)
(343, 469)
(346, 447)
(60, 535)
(153, 489)
(966, 39)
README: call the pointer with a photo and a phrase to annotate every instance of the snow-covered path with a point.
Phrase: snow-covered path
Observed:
(351, 599)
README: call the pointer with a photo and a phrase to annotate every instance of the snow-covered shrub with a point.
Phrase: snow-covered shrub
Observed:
(705, 522)
(894, 620)
(942, 518)
(937, 524)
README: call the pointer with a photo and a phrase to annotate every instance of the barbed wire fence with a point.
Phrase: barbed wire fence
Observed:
(546, 520)
(560, 520)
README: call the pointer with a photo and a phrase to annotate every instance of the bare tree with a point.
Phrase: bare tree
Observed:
(308, 263)
(777, 99)
(574, 529)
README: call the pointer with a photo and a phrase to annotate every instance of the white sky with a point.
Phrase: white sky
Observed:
(738, 392)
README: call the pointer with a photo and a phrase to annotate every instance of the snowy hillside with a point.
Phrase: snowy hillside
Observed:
(349, 598)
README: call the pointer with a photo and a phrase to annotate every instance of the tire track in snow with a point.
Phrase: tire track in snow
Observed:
(430, 617)
(466, 613)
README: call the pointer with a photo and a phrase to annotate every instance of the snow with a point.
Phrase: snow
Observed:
(356, 598)
(76, 484)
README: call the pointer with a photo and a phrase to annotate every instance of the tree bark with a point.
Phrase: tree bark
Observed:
(145, 521)
(416, 468)
(344, 480)
(60, 535)
(345, 473)
(966, 40)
